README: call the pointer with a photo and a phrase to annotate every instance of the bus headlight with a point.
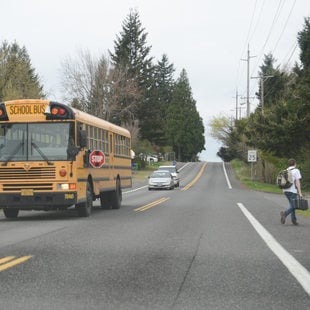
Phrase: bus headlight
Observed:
(66, 186)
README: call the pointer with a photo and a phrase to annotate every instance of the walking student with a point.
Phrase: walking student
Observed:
(292, 192)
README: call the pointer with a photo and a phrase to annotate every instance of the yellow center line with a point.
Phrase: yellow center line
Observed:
(9, 261)
(6, 259)
(152, 204)
(190, 184)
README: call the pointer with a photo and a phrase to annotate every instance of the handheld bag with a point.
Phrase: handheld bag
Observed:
(301, 203)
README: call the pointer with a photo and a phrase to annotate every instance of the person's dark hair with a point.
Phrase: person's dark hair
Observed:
(291, 162)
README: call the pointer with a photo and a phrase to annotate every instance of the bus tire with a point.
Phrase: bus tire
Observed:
(10, 213)
(117, 196)
(105, 200)
(84, 208)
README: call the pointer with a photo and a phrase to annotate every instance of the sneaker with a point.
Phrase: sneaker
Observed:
(295, 223)
(282, 214)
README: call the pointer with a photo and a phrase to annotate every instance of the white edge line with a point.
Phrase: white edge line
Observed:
(226, 176)
(301, 274)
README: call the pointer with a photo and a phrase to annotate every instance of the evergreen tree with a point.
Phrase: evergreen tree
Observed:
(18, 79)
(301, 95)
(184, 125)
(161, 97)
(274, 82)
(304, 45)
(131, 54)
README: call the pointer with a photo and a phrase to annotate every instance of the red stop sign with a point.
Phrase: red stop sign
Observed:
(96, 159)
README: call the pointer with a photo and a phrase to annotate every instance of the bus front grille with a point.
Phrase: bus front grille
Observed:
(34, 173)
(27, 186)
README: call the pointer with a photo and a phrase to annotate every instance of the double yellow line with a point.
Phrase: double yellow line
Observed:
(10, 261)
(190, 184)
(152, 204)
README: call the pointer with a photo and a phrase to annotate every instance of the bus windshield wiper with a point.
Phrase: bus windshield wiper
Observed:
(41, 153)
(17, 148)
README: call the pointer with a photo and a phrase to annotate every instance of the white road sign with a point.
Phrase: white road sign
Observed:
(252, 156)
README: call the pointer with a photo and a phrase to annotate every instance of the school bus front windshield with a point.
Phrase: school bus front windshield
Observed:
(35, 141)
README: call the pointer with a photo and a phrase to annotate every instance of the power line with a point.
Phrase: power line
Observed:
(276, 16)
(284, 27)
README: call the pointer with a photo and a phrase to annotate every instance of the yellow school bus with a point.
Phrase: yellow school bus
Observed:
(53, 156)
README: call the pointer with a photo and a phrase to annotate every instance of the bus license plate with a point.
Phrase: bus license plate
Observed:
(27, 192)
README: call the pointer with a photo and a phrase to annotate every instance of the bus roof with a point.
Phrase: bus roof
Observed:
(77, 114)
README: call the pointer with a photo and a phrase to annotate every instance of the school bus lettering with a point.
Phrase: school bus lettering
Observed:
(27, 109)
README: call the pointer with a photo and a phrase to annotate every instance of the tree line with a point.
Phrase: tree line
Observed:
(127, 87)
(279, 127)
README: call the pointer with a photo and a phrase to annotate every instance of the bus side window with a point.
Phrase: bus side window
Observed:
(111, 143)
(82, 138)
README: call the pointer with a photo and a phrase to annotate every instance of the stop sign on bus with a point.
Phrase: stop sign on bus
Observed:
(96, 159)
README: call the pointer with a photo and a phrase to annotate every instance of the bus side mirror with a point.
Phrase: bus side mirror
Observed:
(83, 138)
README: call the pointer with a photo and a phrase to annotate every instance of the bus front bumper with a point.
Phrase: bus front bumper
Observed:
(38, 201)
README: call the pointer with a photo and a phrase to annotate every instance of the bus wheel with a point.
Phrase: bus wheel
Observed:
(10, 213)
(84, 208)
(117, 196)
(105, 200)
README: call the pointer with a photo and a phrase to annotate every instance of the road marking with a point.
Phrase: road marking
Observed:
(190, 184)
(152, 204)
(9, 261)
(301, 274)
(226, 176)
(134, 190)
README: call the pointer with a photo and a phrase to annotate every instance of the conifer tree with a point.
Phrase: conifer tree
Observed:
(274, 81)
(185, 130)
(161, 96)
(17, 76)
(131, 55)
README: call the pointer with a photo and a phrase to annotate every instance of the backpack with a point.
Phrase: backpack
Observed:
(285, 178)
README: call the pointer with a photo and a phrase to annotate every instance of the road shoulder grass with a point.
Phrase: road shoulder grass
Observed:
(242, 173)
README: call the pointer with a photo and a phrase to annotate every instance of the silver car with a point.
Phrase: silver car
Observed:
(175, 173)
(161, 179)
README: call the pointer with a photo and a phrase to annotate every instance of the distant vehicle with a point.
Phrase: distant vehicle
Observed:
(152, 158)
(174, 172)
(161, 179)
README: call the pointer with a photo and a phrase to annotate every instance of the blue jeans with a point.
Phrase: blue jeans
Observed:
(290, 210)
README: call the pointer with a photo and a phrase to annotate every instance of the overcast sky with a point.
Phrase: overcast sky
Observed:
(208, 38)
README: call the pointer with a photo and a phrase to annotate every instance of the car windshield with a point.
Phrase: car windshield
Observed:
(160, 174)
(32, 142)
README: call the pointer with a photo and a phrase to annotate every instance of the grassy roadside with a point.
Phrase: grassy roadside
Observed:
(243, 174)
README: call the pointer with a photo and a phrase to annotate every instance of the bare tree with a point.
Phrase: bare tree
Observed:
(77, 79)
(95, 86)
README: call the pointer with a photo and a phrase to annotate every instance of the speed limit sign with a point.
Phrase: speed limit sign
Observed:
(252, 156)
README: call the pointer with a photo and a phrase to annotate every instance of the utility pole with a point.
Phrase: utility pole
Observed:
(248, 82)
(236, 104)
(262, 78)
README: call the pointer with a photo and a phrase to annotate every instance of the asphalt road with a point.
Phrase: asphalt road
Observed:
(209, 244)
